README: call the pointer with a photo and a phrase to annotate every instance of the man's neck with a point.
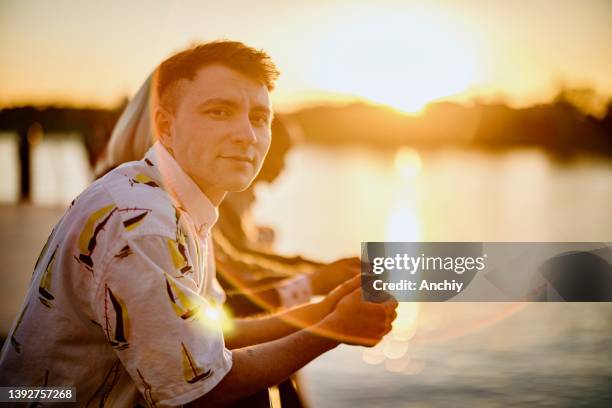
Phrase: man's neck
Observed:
(213, 194)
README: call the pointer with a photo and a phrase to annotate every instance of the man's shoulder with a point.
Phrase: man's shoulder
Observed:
(134, 192)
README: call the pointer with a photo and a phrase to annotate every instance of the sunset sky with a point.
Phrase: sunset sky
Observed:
(400, 53)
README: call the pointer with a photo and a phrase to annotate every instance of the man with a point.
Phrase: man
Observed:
(123, 303)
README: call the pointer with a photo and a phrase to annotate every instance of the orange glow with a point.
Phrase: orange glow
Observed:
(399, 53)
(401, 60)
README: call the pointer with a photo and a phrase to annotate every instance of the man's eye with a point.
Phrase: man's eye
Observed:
(260, 120)
(218, 112)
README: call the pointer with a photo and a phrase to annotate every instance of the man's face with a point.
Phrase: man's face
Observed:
(220, 129)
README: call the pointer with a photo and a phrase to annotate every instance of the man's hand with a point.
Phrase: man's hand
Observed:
(357, 322)
(328, 276)
(331, 300)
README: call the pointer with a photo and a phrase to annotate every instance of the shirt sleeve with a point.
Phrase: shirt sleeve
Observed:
(216, 291)
(166, 335)
(294, 291)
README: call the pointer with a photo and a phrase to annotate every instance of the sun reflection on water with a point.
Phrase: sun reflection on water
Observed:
(407, 162)
(403, 224)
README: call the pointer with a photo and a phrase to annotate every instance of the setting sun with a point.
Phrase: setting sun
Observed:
(398, 59)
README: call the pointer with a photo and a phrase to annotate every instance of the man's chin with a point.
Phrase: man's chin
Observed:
(239, 185)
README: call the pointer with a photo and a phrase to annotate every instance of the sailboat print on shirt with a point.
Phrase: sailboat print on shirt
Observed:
(198, 251)
(148, 393)
(42, 381)
(95, 224)
(183, 306)
(14, 341)
(118, 336)
(43, 252)
(135, 221)
(143, 179)
(89, 234)
(124, 252)
(107, 385)
(178, 255)
(191, 372)
(44, 289)
(178, 247)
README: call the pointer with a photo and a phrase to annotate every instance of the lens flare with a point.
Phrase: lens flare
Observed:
(395, 349)
(414, 367)
(398, 365)
(373, 355)
(213, 314)
(405, 326)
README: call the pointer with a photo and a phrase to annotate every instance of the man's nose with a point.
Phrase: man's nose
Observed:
(243, 132)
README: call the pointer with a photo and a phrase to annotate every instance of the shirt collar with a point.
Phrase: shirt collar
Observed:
(183, 190)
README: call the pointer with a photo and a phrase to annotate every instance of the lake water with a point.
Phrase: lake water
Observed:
(60, 169)
(485, 354)
(329, 200)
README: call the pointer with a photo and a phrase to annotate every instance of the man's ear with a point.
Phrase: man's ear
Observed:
(162, 120)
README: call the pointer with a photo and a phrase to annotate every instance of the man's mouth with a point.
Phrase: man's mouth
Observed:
(245, 158)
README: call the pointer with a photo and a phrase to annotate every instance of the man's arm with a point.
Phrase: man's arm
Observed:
(257, 367)
(251, 331)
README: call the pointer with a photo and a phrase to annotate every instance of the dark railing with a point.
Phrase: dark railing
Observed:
(94, 126)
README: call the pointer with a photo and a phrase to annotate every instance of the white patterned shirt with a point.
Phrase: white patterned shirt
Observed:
(123, 303)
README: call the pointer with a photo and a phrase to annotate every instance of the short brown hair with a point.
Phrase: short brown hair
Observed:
(253, 63)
